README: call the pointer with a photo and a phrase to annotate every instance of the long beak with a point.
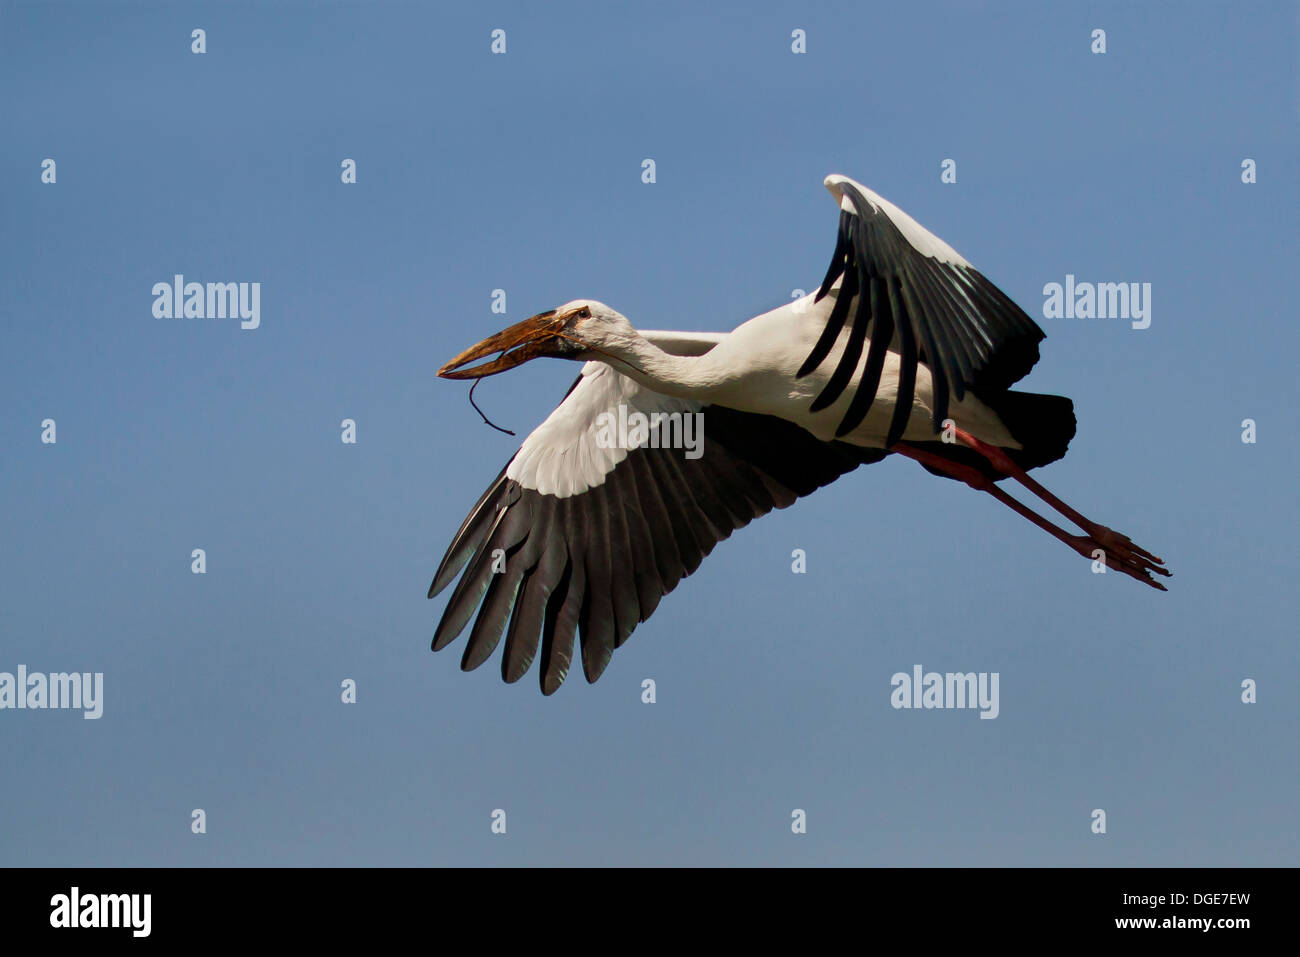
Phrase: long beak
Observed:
(537, 336)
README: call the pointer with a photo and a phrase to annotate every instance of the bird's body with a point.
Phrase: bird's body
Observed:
(904, 349)
(755, 368)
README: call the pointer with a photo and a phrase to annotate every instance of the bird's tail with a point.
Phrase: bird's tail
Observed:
(1042, 424)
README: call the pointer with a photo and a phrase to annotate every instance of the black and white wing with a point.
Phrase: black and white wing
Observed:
(576, 536)
(916, 296)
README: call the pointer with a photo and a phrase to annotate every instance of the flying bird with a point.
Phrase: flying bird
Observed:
(905, 349)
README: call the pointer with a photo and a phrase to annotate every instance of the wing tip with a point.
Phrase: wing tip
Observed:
(835, 182)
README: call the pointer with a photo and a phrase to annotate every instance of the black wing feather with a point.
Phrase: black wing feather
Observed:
(947, 316)
(596, 563)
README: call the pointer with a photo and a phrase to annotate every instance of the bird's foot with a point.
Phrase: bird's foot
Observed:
(1119, 553)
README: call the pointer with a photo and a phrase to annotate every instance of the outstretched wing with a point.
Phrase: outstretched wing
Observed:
(574, 535)
(917, 297)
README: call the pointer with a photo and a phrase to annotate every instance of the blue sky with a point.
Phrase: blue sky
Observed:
(522, 171)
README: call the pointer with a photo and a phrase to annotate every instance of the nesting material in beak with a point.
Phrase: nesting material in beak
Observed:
(540, 335)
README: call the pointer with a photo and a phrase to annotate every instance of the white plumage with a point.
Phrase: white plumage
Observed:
(563, 456)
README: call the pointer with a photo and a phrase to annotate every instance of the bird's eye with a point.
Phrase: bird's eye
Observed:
(584, 312)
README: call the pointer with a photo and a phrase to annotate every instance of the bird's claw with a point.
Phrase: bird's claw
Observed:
(1122, 555)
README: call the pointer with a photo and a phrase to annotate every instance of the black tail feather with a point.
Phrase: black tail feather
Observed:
(1042, 424)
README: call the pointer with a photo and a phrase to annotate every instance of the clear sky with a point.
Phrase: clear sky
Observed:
(522, 171)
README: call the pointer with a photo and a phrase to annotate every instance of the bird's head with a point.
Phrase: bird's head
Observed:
(582, 329)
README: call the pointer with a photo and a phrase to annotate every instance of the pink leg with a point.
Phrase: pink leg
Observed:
(1132, 561)
(1108, 539)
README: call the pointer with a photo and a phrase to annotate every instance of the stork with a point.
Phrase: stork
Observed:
(905, 349)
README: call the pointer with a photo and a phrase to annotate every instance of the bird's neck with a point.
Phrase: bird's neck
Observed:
(685, 377)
